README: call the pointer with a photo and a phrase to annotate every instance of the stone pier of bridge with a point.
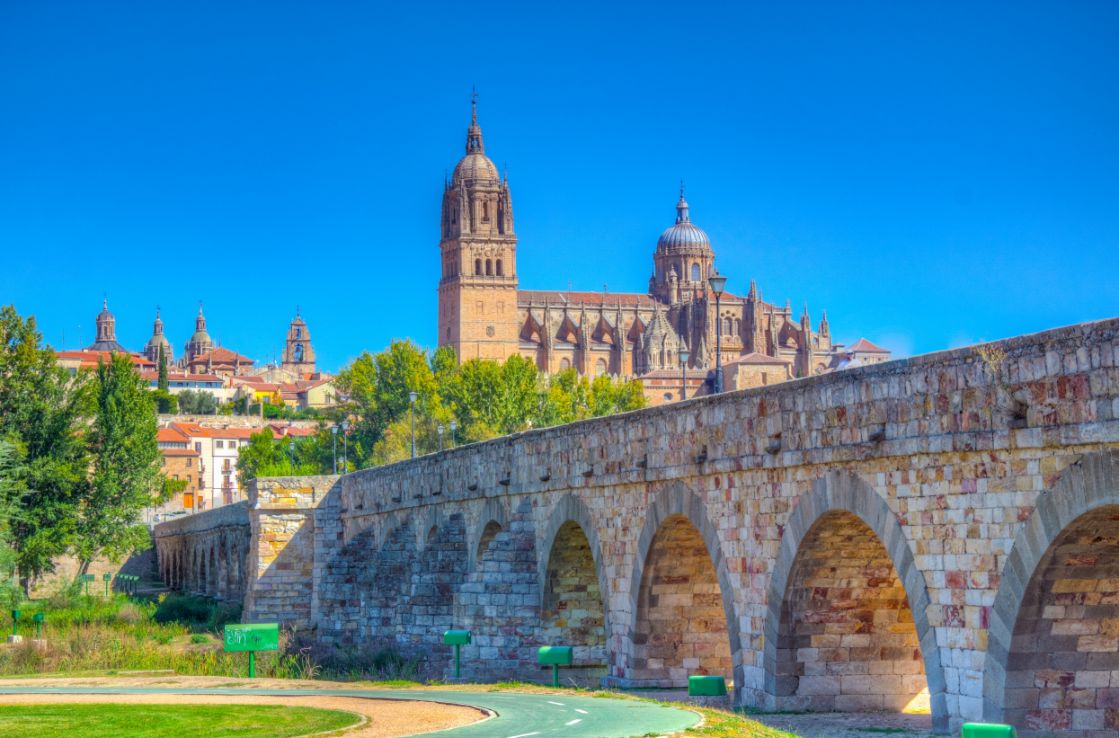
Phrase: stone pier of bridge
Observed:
(940, 530)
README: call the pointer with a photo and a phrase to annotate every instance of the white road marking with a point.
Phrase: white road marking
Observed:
(554, 703)
(572, 722)
(525, 735)
(581, 712)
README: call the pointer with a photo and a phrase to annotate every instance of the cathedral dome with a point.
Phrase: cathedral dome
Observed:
(476, 166)
(684, 235)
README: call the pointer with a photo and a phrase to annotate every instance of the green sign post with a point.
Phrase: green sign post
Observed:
(37, 618)
(107, 577)
(86, 579)
(458, 639)
(252, 637)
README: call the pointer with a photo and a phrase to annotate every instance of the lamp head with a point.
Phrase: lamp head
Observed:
(718, 283)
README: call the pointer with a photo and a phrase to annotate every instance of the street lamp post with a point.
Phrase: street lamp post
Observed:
(412, 403)
(718, 282)
(439, 430)
(334, 444)
(684, 354)
(453, 426)
(345, 447)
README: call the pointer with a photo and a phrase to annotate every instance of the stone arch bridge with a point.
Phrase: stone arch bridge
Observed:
(942, 528)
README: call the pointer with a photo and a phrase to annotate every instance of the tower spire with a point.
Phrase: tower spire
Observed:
(474, 132)
(682, 207)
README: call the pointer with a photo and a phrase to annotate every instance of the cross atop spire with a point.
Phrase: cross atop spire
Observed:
(473, 105)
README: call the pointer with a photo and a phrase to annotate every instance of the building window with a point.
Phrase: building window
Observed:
(695, 272)
(500, 270)
(198, 446)
(477, 267)
(485, 212)
(489, 267)
(564, 365)
(600, 368)
(299, 333)
(219, 444)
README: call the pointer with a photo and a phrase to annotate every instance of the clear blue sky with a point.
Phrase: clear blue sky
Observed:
(929, 175)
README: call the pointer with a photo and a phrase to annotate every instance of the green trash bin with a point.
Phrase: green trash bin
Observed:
(987, 730)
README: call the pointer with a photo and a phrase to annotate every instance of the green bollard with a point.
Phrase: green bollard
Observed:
(38, 620)
(15, 622)
(107, 578)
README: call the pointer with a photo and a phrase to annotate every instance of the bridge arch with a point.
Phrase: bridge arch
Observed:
(680, 516)
(843, 499)
(1036, 627)
(493, 519)
(573, 593)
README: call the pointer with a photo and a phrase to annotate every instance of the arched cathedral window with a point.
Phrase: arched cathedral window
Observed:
(695, 272)
(489, 267)
(478, 267)
(500, 270)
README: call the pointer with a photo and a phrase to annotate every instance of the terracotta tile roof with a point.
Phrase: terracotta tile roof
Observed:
(90, 358)
(606, 300)
(864, 346)
(179, 452)
(222, 356)
(171, 435)
(192, 429)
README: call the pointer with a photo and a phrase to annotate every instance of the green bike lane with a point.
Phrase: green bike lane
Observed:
(514, 715)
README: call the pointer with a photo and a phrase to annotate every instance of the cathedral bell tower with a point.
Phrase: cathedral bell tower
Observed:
(478, 288)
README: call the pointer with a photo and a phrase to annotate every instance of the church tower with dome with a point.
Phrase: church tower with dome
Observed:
(484, 314)
(478, 287)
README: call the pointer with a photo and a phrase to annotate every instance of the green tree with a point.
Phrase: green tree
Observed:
(12, 490)
(125, 475)
(163, 383)
(491, 399)
(165, 402)
(377, 390)
(197, 402)
(268, 456)
(42, 411)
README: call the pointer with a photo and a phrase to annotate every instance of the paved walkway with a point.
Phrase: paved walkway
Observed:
(515, 715)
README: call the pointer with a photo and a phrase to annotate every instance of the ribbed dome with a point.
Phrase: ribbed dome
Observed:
(685, 235)
(475, 166)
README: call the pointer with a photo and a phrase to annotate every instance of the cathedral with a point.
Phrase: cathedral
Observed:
(667, 337)
(203, 356)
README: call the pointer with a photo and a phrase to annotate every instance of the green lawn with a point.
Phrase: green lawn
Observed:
(168, 721)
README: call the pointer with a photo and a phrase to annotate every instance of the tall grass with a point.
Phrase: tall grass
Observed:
(114, 634)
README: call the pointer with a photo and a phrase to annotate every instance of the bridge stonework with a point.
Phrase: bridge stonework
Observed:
(947, 523)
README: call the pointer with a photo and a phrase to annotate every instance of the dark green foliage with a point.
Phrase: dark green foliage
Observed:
(126, 476)
(42, 412)
(197, 402)
(484, 398)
